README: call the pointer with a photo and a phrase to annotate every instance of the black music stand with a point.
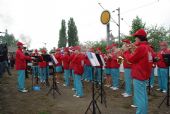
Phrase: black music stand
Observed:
(102, 93)
(94, 62)
(167, 61)
(54, 88)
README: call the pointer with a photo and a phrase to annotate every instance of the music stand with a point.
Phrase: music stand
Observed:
(54, 88)
(166, 58)
(102, 93)
(94, 62)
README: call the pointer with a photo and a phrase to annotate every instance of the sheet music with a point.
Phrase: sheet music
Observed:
(92, 58)
(54, 59)
(102, 60)
(95, 59)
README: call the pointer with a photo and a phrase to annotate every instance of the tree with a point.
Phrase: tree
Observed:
(136, 25)
(62, 35)
(9, 39)
(157, 34)
(95, 44)
(72, 33)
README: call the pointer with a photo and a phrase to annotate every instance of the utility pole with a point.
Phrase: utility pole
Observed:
(108, 33)
(119, 25)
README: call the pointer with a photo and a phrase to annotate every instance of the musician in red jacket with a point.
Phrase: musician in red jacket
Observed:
(141, 60)
(162, 67)
(58, 67)
(42, 67)
(78, 71)
(88, 69)
(72, 54)
(35, 64)
(66, 63)
(107, 59)
(127, 73)
(21, 67)
(151, 79)
(114, 66)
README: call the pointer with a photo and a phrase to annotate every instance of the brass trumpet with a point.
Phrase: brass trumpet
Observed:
(130, 47)
(120, 59)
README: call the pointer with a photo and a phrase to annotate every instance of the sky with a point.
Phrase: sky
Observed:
(40, 20)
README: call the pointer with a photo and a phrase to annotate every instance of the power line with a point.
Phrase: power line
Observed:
(125, 22)
(142, 6)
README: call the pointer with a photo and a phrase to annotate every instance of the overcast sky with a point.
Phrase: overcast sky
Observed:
(40, 20)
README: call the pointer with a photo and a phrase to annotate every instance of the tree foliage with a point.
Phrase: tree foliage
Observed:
(136, 25)
(96, 44)
(72, 33)
(62, 35)
(157, 34)
(9, 39)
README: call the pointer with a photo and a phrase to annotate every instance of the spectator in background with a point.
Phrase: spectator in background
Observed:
(12, 60)
(6, 64)
(4, 60)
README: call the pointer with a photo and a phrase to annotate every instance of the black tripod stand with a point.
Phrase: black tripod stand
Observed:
(54, 88)
(102, 93)
(167, 61)
(93, 101)
(32, 77)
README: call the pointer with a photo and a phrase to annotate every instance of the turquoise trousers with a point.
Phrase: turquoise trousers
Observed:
(21, 79)
(140, 96)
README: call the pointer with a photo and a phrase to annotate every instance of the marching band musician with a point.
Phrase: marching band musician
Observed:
(162, 67)
(58, 66)
(141, 61)
(44, 53)
(65, 63)
(78, 71)
(88, 68)
(107, 60)
(72, 54)
(151, 79)
(35, 64)
(42, 67)
(115, 68)
(21, 67)
(127, 73)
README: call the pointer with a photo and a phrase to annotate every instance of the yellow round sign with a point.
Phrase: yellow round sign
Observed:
(105, 17)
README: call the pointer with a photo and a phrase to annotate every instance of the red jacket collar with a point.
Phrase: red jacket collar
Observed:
(20, 49)
(143, 43)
